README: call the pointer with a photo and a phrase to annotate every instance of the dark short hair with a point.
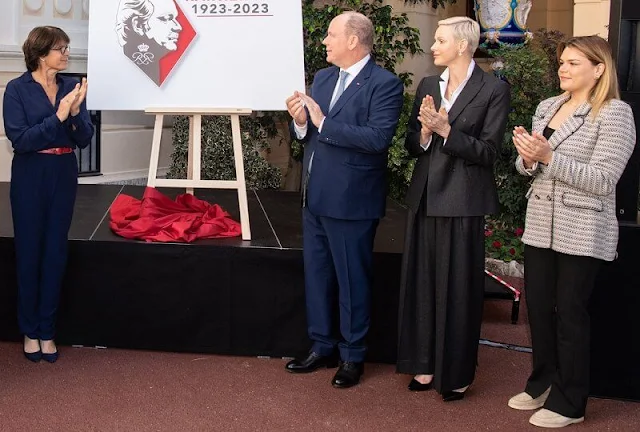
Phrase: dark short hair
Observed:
(39, 43)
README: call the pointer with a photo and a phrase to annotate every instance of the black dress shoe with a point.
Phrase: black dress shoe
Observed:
(417, 386)
(348, 374)
(451, 396)
(313, 362)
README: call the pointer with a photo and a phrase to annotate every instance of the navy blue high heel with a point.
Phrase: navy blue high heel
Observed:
(34, 356)
(51, 358)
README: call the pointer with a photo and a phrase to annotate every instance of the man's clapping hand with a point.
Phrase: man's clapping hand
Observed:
(295, 106)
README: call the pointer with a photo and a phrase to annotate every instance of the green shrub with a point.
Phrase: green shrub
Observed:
(217, 151)
(502, 242)
(400, 164)
(394, 38)
(434, 3)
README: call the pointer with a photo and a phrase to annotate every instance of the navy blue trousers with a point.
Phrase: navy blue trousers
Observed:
(338, 257)
(43, 193)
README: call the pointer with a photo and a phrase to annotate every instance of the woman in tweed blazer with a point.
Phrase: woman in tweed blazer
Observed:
(579, 147)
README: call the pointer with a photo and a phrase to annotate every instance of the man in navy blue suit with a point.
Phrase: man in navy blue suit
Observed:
(346, 124)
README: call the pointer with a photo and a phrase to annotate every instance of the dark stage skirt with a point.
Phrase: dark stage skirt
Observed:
(441, 298)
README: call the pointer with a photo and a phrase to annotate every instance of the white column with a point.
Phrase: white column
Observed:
(591, 17)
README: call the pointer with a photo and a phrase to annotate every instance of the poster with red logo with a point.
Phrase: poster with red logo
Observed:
(194, 54)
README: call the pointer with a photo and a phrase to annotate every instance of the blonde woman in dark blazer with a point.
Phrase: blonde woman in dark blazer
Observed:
(455, 131)
(579, 147)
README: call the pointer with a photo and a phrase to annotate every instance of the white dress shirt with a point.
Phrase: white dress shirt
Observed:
(353, 71)
(448, 103)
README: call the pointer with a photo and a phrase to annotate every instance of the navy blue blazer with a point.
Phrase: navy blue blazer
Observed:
(30, 120)
(348, 178)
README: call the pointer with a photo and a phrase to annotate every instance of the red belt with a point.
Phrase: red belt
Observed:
(57, 150)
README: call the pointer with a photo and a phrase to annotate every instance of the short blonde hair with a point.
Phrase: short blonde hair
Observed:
(464, 28)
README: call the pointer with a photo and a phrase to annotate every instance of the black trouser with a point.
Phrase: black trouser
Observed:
(557, 288)
(441, 298)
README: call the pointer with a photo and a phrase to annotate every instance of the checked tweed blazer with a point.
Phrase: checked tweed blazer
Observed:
(571, 202)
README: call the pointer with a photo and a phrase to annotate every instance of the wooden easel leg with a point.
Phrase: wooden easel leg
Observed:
(190, 153)
(155, 151)
(242, 185)
(196, 161)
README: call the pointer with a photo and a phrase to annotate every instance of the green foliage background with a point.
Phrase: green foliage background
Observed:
(217, 151)
(394, 38)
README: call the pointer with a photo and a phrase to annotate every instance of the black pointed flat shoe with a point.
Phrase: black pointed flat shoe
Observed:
(451, 396)
(417, 386)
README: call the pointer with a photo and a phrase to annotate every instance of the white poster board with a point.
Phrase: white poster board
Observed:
(194, 54)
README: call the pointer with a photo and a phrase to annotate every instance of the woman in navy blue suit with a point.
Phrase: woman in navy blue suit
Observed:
(45, 118)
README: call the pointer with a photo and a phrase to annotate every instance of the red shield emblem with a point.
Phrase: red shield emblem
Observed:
(154, 35)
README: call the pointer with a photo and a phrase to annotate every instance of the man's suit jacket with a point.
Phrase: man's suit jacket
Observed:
(348, 176)
(458, 176)
(572, 201)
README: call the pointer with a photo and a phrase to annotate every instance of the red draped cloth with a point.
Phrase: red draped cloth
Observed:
(158, 218)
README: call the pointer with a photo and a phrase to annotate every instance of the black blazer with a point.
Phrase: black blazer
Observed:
(458, 176)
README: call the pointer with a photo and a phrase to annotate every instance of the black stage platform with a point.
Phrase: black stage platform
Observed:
(224, 296)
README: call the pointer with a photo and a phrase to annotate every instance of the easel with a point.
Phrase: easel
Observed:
(195, 157)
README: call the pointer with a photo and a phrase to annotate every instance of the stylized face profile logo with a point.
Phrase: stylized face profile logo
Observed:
(154, 34)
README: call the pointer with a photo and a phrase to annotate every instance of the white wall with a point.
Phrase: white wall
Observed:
(126, 136)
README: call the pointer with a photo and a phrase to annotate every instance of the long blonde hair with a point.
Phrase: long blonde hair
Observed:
(597, 50)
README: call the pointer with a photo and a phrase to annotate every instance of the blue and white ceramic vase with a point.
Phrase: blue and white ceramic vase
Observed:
(502, 21)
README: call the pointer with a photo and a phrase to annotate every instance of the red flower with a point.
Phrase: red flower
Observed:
(497, 244)
(512, 251)
(519, 232)
(488, 233)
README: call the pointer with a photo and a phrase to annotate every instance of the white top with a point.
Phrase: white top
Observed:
(448, 103)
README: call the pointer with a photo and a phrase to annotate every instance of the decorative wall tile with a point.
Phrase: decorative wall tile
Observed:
(33, 7)
(85, 9)
(63, 9)
(70, 15)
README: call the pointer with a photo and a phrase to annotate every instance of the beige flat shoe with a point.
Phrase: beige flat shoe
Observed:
(549, 419)
(523, 401)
